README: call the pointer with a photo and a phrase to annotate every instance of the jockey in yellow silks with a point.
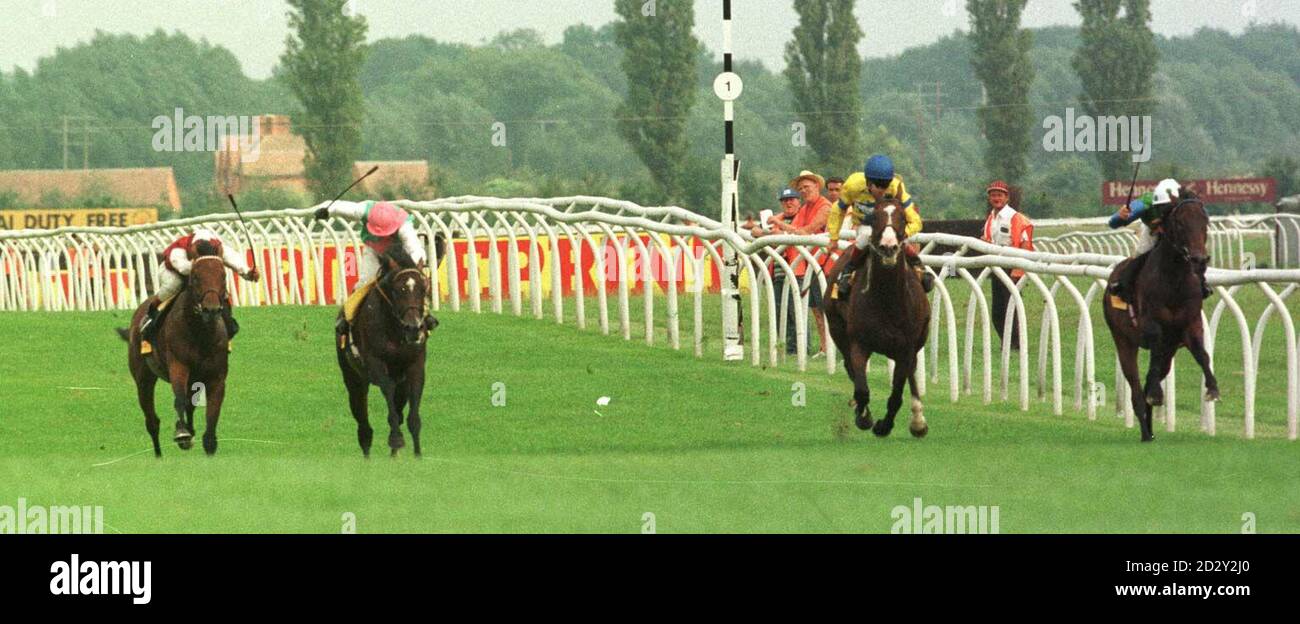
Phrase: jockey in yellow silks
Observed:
(382, 224)
(862, 190)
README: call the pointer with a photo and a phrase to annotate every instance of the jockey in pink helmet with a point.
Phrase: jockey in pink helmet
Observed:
(382, 225)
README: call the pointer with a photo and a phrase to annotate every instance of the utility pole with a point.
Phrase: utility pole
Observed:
(68, 141)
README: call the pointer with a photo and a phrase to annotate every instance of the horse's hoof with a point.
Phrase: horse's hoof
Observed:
(863, 420)
(919, 433)
(882, 428)
(1212, 395)
(1148, 437)
(396, 443)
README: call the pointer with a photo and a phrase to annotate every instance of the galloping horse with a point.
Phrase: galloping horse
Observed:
(886, 312)
(386, 347)
(1168, 308)
(191, 348)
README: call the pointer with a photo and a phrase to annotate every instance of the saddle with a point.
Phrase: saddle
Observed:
(1116, 301)
(163, 306)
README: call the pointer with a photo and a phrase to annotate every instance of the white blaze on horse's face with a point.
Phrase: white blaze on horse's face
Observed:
(410, 283)
(889, 238)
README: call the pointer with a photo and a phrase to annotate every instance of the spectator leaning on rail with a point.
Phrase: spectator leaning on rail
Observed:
(178, 261)
(1007, 227)
(861, 192)
(1151, 208)
(814, 211)
(382, 224)
(789, 199)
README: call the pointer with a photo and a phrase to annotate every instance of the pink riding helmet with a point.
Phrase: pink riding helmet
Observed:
(385, 219)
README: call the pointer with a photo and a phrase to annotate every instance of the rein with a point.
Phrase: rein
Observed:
(392, 306)
(210, 290)
(1171, 225)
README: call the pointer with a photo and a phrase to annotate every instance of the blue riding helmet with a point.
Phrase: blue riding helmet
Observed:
(879, 167)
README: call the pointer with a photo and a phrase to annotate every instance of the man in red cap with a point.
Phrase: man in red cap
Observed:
(1006, 226)
(382, 224)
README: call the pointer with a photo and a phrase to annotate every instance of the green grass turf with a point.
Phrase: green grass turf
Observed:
(704, 445)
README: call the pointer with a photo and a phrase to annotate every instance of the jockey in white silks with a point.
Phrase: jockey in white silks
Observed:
(382, 224)
(176, 266)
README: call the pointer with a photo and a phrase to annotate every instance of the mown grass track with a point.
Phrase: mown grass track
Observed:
(703, 445)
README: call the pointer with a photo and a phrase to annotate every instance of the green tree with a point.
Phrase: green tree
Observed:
(1000, 58)
(1286, 170)
(1115, 61)
(823, 69)
(322, 65)
(659, 55)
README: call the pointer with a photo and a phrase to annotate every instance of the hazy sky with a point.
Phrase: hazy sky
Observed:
(255, 29)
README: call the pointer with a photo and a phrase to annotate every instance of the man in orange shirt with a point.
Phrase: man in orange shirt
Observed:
(809, 220)
(1008, 227)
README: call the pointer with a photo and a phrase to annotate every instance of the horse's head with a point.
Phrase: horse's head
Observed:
(405, 289)
(888, 227)
(1186, 228)
(207, 281)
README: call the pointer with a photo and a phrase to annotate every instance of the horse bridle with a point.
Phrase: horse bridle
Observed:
(393, 278)
(901, 232)
(210, 290)
(1168, 220)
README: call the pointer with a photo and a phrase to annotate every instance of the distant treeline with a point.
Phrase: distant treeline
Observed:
(1228, 105)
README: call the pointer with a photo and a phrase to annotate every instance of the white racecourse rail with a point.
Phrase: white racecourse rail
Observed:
(570, 248)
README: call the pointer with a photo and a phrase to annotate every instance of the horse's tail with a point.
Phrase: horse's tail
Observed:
(124, 333)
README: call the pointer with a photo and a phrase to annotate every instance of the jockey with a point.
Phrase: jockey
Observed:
(176, 266)
(382, 224)
(1151, 208)
(859, 195)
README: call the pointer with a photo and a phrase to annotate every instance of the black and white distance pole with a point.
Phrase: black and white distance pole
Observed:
(728, 86)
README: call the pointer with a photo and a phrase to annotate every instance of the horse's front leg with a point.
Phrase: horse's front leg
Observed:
(1196, 344)
(380, 376)
(1162, 354)
(918, 426)
(903, 369)
(216, 393)
(179, 376)
(414, 389)
(855, 363)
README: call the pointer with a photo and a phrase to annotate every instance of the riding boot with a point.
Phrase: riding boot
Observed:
(429, 322)
(227, 315)
(1205, 288)
(844, 284)
(341, 327)
(149, 328)
(845, 281)
(1123, 287)
(927, 280)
